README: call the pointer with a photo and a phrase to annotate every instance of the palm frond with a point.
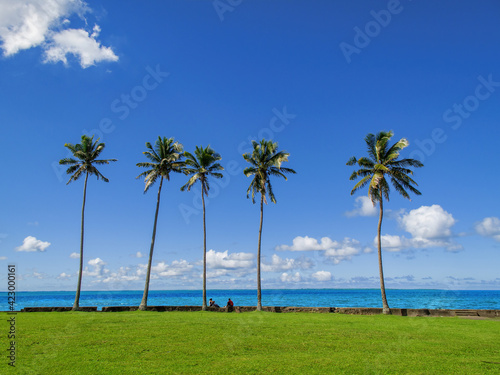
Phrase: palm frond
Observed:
(352, 160)
(360, 184)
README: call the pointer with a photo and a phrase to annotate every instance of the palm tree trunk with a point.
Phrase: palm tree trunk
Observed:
(76, 305)
(144, 302)
(259, 291)
(385, 306)
(204, 306)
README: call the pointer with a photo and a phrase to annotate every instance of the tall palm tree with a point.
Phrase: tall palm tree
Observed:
(165, 157)
(265, 162)
(382, 163)
(200, 166)
(84, 163)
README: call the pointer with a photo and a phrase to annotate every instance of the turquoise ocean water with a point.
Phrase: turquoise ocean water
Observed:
(397, 298)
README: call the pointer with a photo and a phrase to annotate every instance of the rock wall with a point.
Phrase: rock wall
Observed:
(288, 309)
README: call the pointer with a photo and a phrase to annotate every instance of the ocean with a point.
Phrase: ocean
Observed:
(397, 298)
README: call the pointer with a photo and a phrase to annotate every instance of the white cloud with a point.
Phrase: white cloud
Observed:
(286, 278)
(139, 255)
(489, 227)
(31, 244)
(363, 206)
(74, 255)
(428, 222)
(161, 269)
(333, 250)
(26, 24)
(343, 250)
(392, 243)
(229, 261)
(322, 275)
(124, 274)
(217, 273)
(279, 264)
(307, 244)
(98, 268)
(79, 43)
(38, 275)
(64, 276)
(3, 258)
(429, 226)
(177, 268)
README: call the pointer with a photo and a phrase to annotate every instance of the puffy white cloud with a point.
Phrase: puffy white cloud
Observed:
(81, 44)
(74, 255)
(98, 268)
(139, 255)
(30, 23)
(307, 244)
(428, 222)
(229, 261)
(392, 243)
(322, 275)
(343, 250)
(64, 276)
(279, 264)
(27, 23)
(162, 269)
(363, 206)
(31, 244)
(430, 226)
(287, 278)
(176, 268)
(489, 227)
(333, 250)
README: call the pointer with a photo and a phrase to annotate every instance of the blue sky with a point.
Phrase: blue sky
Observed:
(316, 77)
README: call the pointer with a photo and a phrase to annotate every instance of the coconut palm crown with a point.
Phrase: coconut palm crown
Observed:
(265, 162)
(164, 158)
(381, 165)
(200, 166)
(83, 163)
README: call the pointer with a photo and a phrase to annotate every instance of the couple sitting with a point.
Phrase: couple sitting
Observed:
(229, 305)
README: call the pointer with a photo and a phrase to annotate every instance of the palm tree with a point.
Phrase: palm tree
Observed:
(265, 162)
(164, 158)
(200, 166)
(83, 163)
(382, 163)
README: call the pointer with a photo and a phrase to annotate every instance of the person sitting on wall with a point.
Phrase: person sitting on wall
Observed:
(212, 303)
(229, 305)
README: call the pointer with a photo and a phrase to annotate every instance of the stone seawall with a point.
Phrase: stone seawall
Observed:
(289, 309)
(50, 309)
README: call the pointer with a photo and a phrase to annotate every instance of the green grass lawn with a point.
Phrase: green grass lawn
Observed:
(207, 342)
